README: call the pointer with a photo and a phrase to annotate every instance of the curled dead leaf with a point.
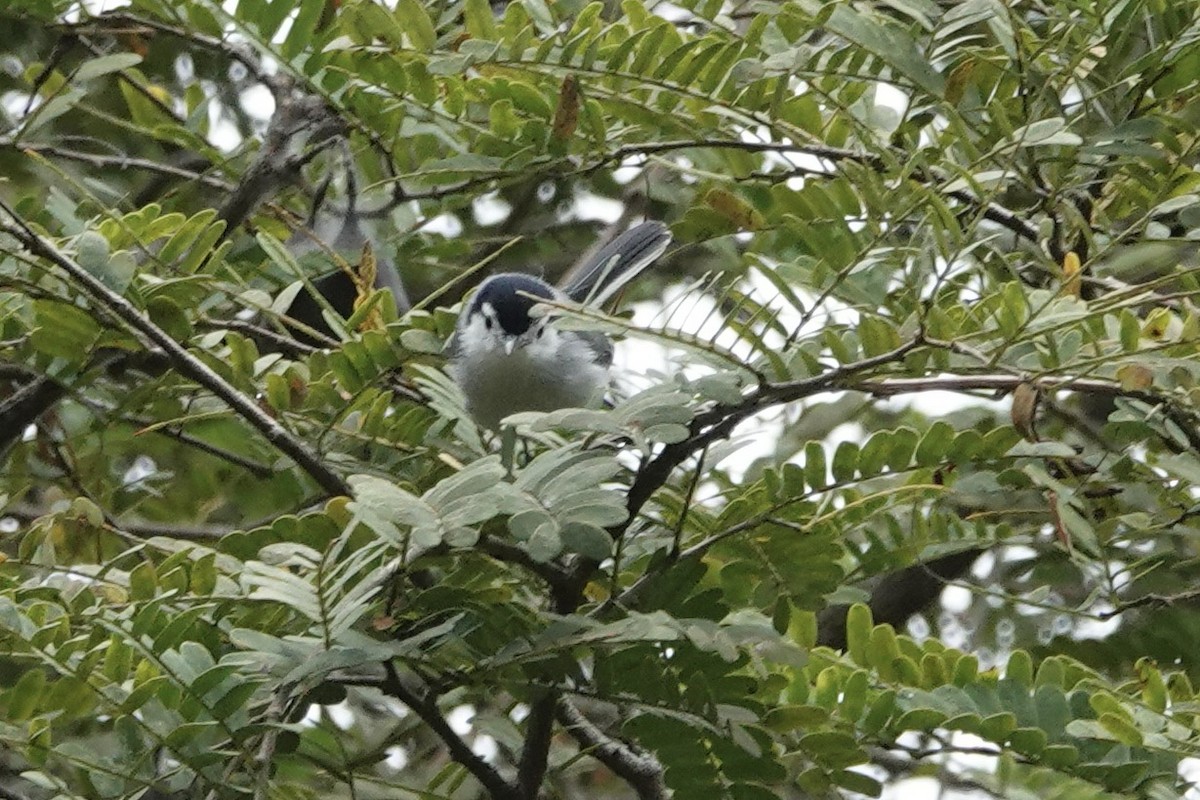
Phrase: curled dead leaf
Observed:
(1024, 410)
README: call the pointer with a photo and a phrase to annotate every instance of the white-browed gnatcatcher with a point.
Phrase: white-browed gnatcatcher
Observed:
(506, 361)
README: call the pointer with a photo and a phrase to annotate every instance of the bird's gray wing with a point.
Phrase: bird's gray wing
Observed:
(600, 346)
(349, 242)
(388, 277)
(619, 262)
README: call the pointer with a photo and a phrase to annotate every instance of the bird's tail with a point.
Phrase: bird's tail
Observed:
(619, 262)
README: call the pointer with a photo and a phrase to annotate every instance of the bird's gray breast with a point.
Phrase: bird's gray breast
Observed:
(530, 379)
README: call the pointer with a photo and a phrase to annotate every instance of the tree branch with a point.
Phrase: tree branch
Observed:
(255, 468)
(719, 422)
(276, 163)
(427, 710)
(535, 751)
(907, 591)
(9, 794)
(287, 345)
(186, 363)
(1151, 601)
(559, 580)
(991, 211)
(121, 162)
(41, 393)
(116, 22)
(27, 513)
(1049, 383)
(23, 407)
(642, 771)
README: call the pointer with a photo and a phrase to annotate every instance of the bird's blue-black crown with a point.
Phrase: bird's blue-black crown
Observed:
(507, 295)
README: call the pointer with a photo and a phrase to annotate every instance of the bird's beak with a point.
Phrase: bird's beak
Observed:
(509, 343)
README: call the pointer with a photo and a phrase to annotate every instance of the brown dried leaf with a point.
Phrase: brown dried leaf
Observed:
(566, 116)
(1024, 410)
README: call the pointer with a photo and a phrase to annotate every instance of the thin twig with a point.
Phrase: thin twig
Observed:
(140, 529)
(120, 162)
(719, 422)
(256, 468)
(1049, 383)
(1150, 601)
(990, 210)
(180, 358)
(283, 343)
(266, 749)
(505, 552)
(123, 22)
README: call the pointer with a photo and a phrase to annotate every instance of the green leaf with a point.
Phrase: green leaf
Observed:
(417, 26)
(997, 727)
(858, 633)
(54, 108)
(857, 782)
(278, 253)
(814, 465)
(854, 695)
(788, 718)
(1031, 741)
(883, 649)
(833, 748)
(875, 453)
(879, 712)
(25, 695)
(63, 331)
(935, 444)
(1045, 132)
(890, 42)
(105, 65)
(587, 540)
(845, 462)
(304, 23)
(480, 21)
(545, 542)
(1020, 668)
(187, 236)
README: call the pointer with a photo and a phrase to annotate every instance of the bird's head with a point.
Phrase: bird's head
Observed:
(498, 316)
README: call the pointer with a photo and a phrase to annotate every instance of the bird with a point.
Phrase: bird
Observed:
(342, 234)
(507, 361)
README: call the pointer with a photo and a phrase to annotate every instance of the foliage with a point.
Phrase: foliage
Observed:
(215, 526)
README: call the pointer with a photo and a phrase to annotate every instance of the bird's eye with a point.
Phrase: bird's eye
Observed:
(487, 323)
(540, 331)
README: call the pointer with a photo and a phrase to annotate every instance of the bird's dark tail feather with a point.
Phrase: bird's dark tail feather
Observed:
(619, 262)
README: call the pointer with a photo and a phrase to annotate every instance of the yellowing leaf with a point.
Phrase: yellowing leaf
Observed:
(734, 208)
(1072, 274)
(958, 80)
(1135, 377)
